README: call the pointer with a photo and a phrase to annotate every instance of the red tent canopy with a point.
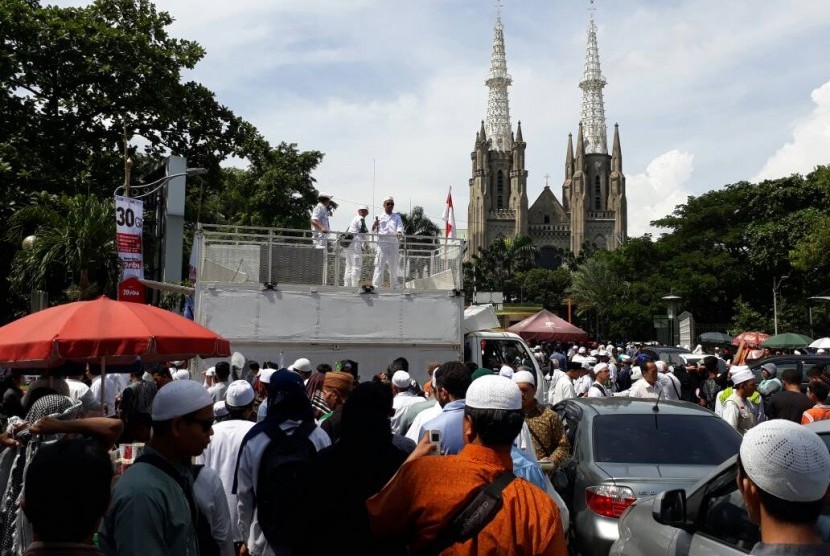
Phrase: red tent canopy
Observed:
(117, 331)
(544, 326)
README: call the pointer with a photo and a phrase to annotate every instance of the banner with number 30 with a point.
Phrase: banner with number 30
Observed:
(129, 223)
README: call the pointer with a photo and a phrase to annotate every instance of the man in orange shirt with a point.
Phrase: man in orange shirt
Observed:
(817, 392)
(427, 492)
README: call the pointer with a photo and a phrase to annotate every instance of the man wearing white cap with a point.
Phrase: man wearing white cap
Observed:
(320, 220)
(404, 397)
(354, 252)
(150, 512)
(418, 505)
(221, 453)
(783, 475)
(389, 228)
(599, 388)
(736, 408)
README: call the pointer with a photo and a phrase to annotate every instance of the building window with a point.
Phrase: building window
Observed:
(499, 202)
(500, 189)
(547, 219)
(597, 194)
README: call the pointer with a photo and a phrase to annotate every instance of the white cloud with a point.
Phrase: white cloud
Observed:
(810, 144)
(656, 192)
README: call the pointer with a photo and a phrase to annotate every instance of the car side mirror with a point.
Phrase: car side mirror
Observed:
(669, 508)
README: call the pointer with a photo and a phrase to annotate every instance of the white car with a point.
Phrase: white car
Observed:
(710, 520)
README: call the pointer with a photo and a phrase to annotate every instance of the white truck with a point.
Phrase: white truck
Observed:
(277, 297)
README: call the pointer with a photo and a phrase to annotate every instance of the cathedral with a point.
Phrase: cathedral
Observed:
(592, 207)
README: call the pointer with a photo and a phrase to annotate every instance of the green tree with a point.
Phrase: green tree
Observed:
(543, 286)
(595, 286)
(74, 245)
(496, 267)
(419, 224)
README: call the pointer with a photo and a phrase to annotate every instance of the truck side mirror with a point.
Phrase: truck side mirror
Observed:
(669, 508)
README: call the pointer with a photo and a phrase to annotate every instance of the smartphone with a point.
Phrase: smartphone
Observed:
(435, 437)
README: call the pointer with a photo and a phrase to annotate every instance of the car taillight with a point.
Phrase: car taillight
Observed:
(609, 500)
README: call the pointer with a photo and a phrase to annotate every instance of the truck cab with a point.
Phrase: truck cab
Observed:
(491, 350)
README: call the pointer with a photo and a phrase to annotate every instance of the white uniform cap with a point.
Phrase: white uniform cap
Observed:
(265, 375)
(180, 398)
(401, 379)
(601, 367)
(324, 195)
(741, 374)
(301, 365)
(181, 374)
(636, 374)
(388, 198)
(582, 351)
(362, 207)
(786, 460)
(506, 371)
(219, 409)
(211, 372)
(493, 392)
(524, 377)
(240, 393)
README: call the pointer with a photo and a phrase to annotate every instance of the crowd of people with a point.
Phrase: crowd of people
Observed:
(310, 460)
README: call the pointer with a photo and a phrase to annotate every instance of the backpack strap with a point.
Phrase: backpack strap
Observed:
(468, 522)
(167, 467)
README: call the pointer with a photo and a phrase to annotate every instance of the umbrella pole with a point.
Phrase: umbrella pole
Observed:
(103, 385)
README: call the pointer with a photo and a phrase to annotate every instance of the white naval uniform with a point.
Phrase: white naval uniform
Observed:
(388, 248)
(321, 215)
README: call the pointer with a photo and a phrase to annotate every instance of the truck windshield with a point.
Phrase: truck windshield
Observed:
(507, 351)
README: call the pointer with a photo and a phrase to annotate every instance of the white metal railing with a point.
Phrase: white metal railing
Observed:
(273, 256)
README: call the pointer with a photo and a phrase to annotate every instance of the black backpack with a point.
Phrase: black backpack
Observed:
(284, 497)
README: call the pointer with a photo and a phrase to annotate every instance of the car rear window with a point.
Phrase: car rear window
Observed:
(664, 439)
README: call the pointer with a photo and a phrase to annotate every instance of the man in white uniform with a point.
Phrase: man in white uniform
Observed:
(354, 252)
(320, 220)
(389, 228)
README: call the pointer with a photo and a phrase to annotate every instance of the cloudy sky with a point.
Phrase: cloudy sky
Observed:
(706, 92)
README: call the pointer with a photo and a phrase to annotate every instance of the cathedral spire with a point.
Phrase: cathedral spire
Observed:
(616, 152)
(593, 106)
(580, 149)
(569, 158)
(498, 109)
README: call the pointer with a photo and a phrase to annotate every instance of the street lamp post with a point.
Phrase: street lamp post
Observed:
(671, 309)
(775, 287)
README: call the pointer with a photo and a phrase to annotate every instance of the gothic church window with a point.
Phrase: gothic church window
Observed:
(547, 219)
(597, 194)
(499, 190)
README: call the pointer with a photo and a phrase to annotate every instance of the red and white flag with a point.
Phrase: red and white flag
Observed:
(449, 218)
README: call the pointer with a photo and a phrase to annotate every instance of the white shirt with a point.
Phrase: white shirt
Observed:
(209, 496)
(218, 391)
(582, 385)
(428, 414)
(389, 225)
(110, 392)
(220, 455)
(642, 389)
(400, 402)
(671, 386)
(321, 215)
(247, 478)
(354, 228)
(597, 390)
(80, 392)
(560, 388)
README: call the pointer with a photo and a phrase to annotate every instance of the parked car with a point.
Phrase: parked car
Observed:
(711, 519)
(803, 363)
(625, 449)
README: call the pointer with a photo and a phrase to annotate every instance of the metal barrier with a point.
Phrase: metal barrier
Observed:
(272, 256)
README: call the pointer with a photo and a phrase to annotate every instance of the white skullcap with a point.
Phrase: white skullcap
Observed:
(388, 198)
(524, 377)
(582, 351)
(594, 352)
(493, 392)
(401, 379)
(661, 365)
(147, 377)
(601, 367)
(211, 372)
(180, 398)
(575, 348)
(601, 347)
(625, 358)
(602, 353)
(741, 374)
(362, 207)
(301, 365)
(506, 371)
(636, 373)
(265, 375)
(820, 352)
(219, 410)
(181, 374)
(786, 460)
(240, 393)
(323, 195)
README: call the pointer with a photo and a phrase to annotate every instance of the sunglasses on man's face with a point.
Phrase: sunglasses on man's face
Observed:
(389, 204)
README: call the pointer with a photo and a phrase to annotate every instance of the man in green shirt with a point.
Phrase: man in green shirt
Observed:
(151, 510)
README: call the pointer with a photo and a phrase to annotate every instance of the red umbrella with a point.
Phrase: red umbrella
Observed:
(544, 326)
(752, 339)
(105, 331)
